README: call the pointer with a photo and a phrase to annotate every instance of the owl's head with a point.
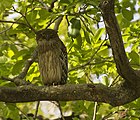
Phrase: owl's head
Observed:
(46, 34)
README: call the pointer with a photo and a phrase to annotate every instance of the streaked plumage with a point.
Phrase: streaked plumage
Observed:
(52, 57)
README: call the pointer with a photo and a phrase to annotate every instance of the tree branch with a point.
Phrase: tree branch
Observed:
(44, 5)
(10, 26)
(18, 80)
(49, 9)
(114, 32)
(28, 64)
(70, 92)
(57, 23)
(28, 24)
(14, 22)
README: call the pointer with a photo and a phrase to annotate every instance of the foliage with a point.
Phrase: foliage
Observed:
(89, 50)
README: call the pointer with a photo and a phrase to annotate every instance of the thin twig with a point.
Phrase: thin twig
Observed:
(57, 23)
(7, 79)
(59, 106)
(86, 74)
(67, 20)
(22, 113)
(89, 61)
(71, 46)
(14, 22)
(57, 103)
(86, 26)
(14, 105)
(49, 9)
(16, 80)
(25, 20)
(95, 110)
(52, 5)
(51, 21)
(6, 29)
(36, 112)
(115, 81)
(78, 13)
(28, 64)
(28, 7)
(44, 5)
(112, 113)
(93, 18)
(9, 27)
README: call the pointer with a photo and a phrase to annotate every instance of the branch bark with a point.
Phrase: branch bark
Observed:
(70, 92)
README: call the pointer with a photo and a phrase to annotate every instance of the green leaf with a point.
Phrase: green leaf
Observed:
(64, 2)
(3, 109)
(74, 28)
(73, 32)
(97, 16)
(127, 14)
(94, 3)
(75, 23)
(17, 67)
(5, 4)
(3, 59)
(78, 41)
(98, 34)
(13, 48)
(22, 53)
(104, 52)
(79, 105)
(87, 37)
(32, 16)
(43, 14)
(124, 23)
(13, 111)
(4, 46)
(80, 74)
(93, 11)
(134, 57)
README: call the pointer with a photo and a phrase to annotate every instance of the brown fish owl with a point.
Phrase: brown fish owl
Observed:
(52, 55)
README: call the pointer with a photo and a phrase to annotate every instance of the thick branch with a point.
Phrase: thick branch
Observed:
(113, 30)
(100, 93)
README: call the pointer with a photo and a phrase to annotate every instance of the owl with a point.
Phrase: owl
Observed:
(52, 57)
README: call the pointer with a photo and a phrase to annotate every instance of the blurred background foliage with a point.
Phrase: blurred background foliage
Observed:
(89, 52)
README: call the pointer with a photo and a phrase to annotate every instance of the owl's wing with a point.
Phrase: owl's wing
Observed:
(64, 63)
